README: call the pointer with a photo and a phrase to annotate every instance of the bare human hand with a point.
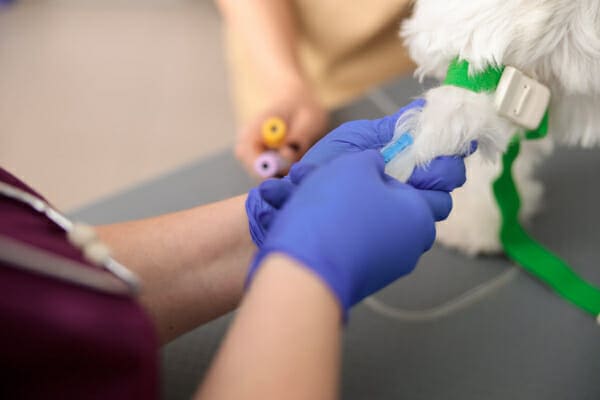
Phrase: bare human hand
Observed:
(306, 121)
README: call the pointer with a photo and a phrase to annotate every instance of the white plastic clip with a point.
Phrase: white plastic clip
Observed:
(521, 99)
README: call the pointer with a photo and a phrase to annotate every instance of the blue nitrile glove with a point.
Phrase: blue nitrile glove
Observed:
(354, 136)
(354, 226)
(359, 135)
(447, 172)
(263, 203)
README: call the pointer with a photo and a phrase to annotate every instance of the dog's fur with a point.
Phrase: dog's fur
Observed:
(556, 42)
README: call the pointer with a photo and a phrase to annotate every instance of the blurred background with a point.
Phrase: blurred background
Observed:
(100, 95)
(120, 109)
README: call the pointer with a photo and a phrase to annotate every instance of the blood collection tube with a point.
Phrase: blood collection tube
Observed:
(273, 132)
(270, 163)
(399, 156)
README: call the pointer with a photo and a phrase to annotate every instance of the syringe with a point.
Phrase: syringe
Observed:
(399, 157)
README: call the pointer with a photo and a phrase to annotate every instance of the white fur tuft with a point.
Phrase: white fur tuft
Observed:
(554, 41)
(454, 117)
(575, 120)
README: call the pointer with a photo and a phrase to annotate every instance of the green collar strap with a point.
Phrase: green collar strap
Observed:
(518, 245)
(486, 81)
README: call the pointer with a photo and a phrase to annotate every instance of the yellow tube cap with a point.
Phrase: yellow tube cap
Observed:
(273, 132)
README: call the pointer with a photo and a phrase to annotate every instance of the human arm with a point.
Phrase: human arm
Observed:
(286, 304)
(192, 263)
(268, 31)
(349, 230)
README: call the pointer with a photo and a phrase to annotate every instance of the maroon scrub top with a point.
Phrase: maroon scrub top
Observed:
(59, 340)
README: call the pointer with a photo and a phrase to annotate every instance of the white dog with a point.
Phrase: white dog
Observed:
(556, 42)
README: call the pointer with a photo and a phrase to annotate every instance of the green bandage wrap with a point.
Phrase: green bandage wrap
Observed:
(517, 244)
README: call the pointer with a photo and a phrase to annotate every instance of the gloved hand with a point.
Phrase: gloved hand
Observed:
(263, 203)
(444, 173)
(354, 226)
(355, 136)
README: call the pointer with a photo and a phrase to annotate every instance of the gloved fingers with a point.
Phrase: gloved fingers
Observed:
(255, 206)
(417, 103)
(371, 162)
(472, 148)
(429, 238)
(367, 165)
(395, 183)
(440, 203)
(265, 218)
(301, 170)
(275, 192)
(444, 173)
(384, 127)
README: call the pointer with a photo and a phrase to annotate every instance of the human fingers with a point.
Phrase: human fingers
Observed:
(300, 170)
(249, 146)
(444, 173)
(276, 191)
(308, 124)
(439, 202)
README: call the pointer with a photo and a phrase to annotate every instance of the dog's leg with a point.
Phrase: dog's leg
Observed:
(531, 190)
(472, 226)
(474, 223)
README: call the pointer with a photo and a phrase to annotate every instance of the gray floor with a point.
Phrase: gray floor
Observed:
(521, 342)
